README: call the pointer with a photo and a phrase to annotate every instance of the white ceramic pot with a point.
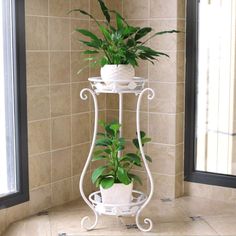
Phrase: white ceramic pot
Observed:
(117, 194)
(111, 73)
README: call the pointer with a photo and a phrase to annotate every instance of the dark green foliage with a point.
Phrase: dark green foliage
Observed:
(115, 169)
(120, 44)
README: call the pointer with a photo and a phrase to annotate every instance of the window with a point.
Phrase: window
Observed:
(210, 114)
(13, 119)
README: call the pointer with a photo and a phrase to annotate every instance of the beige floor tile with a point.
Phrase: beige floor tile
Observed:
(223, 225)
(203, 207)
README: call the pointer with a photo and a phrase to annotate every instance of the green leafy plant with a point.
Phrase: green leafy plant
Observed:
(115, 168)
(120, 43)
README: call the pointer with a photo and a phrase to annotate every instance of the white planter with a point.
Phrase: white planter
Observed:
(117, 73)
(117, 194)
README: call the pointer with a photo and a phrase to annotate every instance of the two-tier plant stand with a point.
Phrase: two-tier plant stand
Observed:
(139, 199)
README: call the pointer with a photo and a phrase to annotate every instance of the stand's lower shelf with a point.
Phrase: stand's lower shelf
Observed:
(130, 209)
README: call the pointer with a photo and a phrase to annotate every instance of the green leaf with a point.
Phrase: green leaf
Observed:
(119, 21)
(105, 10)
(134, 158)
(135, 178)
(123, 176)
(115, 127)
(142, 32)
(98, 152)
(101, 134)
(103, 142)
(142, 134)
(105, 32)
(135, 142)
(148, 158)
(103, 61)
(146, 140)
(97, 173)
(93, 44)
(107, 182)
(88, 34)
(99, 158)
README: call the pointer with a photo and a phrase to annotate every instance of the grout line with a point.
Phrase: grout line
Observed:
(50, 104)
(71, 112)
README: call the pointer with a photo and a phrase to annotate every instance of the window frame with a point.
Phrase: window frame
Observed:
(21, 104)
(190, 173)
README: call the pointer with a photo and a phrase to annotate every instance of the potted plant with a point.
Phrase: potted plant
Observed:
(114, 176)
(120, 47)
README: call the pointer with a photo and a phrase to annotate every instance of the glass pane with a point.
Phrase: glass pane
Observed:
(216, 92)
(8, 158)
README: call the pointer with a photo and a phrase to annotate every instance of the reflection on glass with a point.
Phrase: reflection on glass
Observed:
(216, 87)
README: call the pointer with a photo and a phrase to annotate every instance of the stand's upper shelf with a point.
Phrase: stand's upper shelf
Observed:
(136, 85)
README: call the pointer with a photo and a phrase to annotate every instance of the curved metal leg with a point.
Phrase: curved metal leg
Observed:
(84, 96)
(146, 221)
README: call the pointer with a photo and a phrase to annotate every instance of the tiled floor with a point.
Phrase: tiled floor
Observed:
(183, 216)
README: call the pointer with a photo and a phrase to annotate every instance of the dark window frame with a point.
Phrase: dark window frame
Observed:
(21, 102)
(190, 173)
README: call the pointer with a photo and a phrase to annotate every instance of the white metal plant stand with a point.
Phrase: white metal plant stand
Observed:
(140, 200)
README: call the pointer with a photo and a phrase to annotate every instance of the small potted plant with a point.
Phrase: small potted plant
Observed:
(120, 47)
(114, 176)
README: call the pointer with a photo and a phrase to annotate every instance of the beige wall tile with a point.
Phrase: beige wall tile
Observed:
(164, 186)
(129, 125)
(61, 132)
(111, 4)
(59, 7)
(60, 100)
(76, 36)
(179, 185)
(136, 9)
(79, 105)
(61, 164)
(169, 97)
(59, 67)
(197, 190)
(36, 7)
(62, 191)
(163, 158)
(130, 102)
(170, 42)
(59, 34)
(38, 103)
(168, 69)
(80, 128)
(179, 156)
(39, 170)
(37, 68)
(79, 4)
(17, 212)
(101, 102)
(3, 223)
(39, 137)
(79, 67)
(221, 193)
(165, 98)
(40, 199)
(87, 186)
(112, 101)
(79, 157)
(168, 9)
(162, 128)
(36, 33)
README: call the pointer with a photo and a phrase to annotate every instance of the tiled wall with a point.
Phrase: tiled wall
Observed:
(59, 122)
(162, 118)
